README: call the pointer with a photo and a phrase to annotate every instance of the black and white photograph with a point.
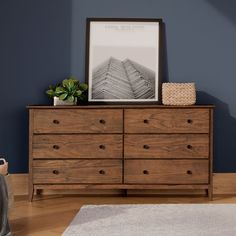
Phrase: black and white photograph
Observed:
(123, 60)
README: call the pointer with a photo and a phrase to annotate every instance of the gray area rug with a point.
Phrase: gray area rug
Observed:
(158, 220)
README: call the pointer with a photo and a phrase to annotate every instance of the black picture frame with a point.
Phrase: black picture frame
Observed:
(158, 78)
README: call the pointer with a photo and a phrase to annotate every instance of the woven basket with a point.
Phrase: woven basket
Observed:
(3, 167)
(178, 93)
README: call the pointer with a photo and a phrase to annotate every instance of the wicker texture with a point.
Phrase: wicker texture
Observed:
(3, 167)
(178, 94)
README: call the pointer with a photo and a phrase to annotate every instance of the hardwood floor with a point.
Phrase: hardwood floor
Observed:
(50, 215)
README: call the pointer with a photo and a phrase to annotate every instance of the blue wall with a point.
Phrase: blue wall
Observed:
(43, 41)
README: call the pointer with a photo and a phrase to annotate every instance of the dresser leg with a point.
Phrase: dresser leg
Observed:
(125, 193)
(209, 193)
(31, 193)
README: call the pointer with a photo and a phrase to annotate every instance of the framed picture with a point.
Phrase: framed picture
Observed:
(123, 60)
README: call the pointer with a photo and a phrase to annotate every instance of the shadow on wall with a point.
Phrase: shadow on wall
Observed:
(226, 7)
(164, 59)
(224, 133)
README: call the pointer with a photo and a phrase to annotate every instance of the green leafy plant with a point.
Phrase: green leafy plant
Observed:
(68, 90)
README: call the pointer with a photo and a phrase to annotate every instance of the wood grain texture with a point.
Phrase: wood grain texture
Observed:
(166, 146)
(78, 121)
(167, 121)
(120, 106)
(20, 184)
(166, 171)
(121, 186)
(77, 146)
(77, 171)
(51, 215)
(164, 192)
(83, 147)
(223, 183)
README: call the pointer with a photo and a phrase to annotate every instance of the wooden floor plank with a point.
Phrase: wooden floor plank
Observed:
(50, 215)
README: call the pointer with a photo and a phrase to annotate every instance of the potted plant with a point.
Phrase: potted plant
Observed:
(68, 92)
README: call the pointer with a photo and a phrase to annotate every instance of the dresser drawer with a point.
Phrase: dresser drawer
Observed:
(77, 171)
(166, 146)
(166, 120)
(166, 171)
(78, 121)
(77, 146)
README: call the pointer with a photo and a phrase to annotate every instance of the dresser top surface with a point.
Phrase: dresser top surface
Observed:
(103, 106)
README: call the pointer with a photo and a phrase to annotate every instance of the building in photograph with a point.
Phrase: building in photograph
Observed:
(115, 79)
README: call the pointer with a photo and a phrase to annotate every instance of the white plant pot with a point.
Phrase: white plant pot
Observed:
(58, 102)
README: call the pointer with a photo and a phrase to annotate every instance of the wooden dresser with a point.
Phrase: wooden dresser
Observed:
(120, 147)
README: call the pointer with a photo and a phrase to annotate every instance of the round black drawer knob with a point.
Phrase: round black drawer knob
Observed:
(190, 121)
(56, 147)
(56, 122)
(146, 146)
(189, 146)
(145, 172)
(101, 172)
(145, 121)
(102, 121)
(189, 172)
(102, 147)
(55, 172)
